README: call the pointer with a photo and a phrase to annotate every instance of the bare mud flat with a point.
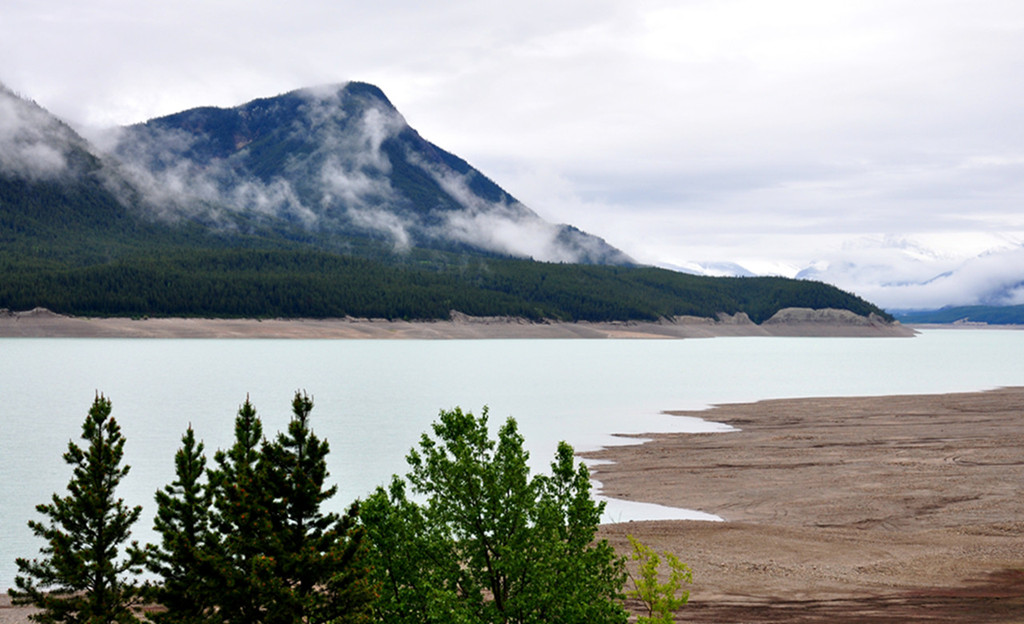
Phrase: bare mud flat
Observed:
(41, 323)
(881, 509)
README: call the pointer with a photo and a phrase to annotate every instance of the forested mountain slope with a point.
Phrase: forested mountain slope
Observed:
(319, 203)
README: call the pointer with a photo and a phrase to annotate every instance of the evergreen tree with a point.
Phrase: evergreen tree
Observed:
(182, 521)
(242, 571)
(82, 577)
(320, 556)
(279, 558)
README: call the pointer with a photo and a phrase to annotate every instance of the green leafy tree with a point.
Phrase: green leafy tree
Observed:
(419, 579)
(183, 523)
(491, 543)
(659, 599)
(82, 576)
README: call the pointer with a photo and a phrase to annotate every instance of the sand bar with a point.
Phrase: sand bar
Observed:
(881, 509)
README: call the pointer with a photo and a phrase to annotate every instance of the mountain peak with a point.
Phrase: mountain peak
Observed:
(340, 161)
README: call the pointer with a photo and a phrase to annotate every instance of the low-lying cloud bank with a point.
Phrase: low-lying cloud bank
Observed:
(903, 275)
(338, 174)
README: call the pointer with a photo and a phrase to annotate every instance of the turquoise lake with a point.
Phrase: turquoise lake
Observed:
(373, 399)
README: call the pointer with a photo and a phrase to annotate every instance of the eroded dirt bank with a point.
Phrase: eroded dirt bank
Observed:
(41, 323)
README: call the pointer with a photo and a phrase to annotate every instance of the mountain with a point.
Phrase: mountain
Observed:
(335, 161)
(316, 203)
(965, 315)
(55, 191)
(913, 273)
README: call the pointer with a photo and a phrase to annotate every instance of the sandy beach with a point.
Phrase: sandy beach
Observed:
(882, 509)
(42, 323)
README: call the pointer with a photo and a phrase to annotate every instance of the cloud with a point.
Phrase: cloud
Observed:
(903, 273)
(390, 224)
(765, 134)
(506, 227)
(355, 168)
(153, 162)
(355, 171)
(503, 233)
(32, 142)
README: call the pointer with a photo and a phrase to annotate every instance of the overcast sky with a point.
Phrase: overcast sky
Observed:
(881, 143)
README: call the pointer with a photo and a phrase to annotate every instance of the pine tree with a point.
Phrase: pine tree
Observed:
(320, 556)
(242, 569)
(82, 577)
(181, 560)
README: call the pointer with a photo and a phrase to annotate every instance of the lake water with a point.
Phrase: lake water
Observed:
(373, 399)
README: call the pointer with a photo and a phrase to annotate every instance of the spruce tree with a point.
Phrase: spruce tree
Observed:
(181, 560)
(82, 577)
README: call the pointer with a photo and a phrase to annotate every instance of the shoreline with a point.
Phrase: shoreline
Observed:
(843, 509)
(42, 323)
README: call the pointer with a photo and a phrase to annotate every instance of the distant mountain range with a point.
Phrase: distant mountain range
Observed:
(965, 315)
(913, 280)
(319, 202)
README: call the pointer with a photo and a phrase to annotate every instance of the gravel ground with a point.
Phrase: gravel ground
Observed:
(882, 509)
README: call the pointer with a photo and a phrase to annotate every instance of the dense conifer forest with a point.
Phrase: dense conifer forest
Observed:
(84, 254)
(290, 283)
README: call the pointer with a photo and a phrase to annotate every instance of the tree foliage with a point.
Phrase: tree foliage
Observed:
(319, 563)
(490, 543)
(659, 599)
(183, 523)
(469, 536)
(277, 557)
(83, 575)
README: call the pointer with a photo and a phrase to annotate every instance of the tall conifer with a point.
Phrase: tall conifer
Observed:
(242, 565)
(82, 577)
(320, 557)
(183, 523)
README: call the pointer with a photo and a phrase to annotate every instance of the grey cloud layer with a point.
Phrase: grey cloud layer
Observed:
(765, 133)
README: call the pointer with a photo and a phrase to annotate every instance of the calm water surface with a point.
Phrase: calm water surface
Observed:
(373, 399)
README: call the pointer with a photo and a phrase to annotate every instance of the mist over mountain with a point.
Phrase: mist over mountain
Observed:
(907, 273)
(54, 186)
(913, 277)
(36, 145)
(333, 160)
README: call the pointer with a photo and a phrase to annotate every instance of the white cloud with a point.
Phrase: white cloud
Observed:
(32, 144)
(900, 272)
(768, 134)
